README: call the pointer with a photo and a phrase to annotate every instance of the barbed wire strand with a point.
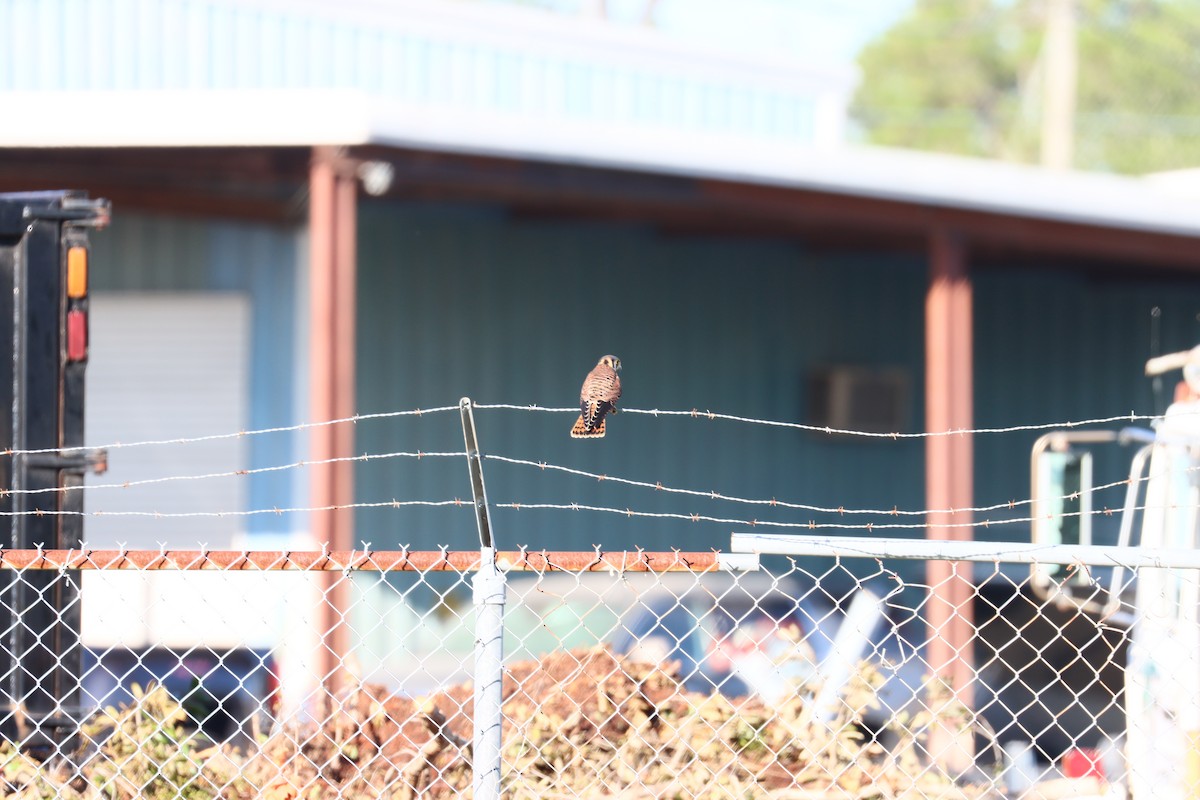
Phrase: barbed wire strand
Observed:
(693, 413)
(419, 454)
(810, 524)
(628, 512)
(241, 513)
(712, 415)
(417, 412)
(715, 495)
(657, 486)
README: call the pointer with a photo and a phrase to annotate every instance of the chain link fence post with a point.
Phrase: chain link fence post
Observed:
(488, 590)
(489, 587)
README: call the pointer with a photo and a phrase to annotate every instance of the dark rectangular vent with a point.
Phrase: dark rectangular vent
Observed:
(871, 399)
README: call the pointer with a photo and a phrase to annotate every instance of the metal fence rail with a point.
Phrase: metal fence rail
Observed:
(639, 674)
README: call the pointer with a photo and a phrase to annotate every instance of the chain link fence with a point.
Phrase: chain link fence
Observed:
(638, 674)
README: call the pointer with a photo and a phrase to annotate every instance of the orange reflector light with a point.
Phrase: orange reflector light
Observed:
(77, 268)
(76, 335)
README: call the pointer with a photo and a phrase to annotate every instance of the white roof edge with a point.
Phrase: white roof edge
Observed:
(910, 176)
(183, 118)
(275, 118)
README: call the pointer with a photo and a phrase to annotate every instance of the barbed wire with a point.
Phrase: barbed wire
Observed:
(839, 510)
(826, 429)
(239, 513)
(418, 454)
(809, 524)
(656, 412)
(234, 435)
(776, 503)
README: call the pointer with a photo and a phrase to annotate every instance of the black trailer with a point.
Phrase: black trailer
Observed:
(44, 309)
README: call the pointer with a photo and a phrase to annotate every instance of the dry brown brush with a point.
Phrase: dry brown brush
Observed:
(581, 723)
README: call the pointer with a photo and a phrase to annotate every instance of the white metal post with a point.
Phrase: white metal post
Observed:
(488, 590)
(489, 593)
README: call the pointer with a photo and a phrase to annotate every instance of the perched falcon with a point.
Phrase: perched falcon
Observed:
(599, 395)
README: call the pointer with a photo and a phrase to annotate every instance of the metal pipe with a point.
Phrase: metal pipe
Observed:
(483, 519)
(985, 552)
(1125, 534)
(1057, 441)
(371, 561)
(488, 590)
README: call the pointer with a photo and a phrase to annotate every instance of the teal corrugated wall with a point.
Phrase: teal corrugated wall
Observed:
(468, 302)
(150, 253)
(1052, 345)
(461, 302)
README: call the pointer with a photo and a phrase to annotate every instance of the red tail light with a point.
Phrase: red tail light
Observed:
(76, 335)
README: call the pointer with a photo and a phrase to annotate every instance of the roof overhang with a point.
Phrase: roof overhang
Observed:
(910, 187)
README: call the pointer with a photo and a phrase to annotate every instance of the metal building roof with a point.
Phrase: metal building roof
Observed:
(433, 54)
(472, 78)
(1159, 204)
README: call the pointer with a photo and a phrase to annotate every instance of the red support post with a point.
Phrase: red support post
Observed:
(333, 302)
(949, 473)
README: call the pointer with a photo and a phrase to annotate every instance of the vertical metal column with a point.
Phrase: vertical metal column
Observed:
(488, 587)
(949, 474)
(332, 303)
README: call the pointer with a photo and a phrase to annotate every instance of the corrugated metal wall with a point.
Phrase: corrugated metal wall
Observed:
(152, 254)
(461, 302)
(418, 57)
(1057, 346)
(466, 302)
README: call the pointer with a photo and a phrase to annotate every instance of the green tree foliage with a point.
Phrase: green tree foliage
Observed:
(963, 76)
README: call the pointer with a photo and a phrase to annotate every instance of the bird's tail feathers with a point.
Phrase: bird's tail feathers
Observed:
(581, 431)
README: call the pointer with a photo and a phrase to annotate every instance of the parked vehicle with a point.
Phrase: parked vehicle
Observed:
(229, 695)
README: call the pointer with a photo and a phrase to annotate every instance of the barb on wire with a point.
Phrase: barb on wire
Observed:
(811, 524)
(419, 454)
(712, 415)
(776, 503)
(808, 524)
(240, 513)
(238, 434)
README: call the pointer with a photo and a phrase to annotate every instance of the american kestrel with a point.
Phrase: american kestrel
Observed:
(599, 395)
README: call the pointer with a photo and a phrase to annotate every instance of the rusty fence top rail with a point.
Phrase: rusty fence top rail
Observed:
(360, 560)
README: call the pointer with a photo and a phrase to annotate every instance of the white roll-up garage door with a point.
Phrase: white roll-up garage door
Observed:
(167, 366)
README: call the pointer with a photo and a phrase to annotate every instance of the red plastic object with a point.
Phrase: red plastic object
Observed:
(1083, 762)
(76, 335)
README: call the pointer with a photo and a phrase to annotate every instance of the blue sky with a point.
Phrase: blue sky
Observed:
(823, 31)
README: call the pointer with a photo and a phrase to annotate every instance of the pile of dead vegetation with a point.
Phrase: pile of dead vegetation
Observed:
(577, 724)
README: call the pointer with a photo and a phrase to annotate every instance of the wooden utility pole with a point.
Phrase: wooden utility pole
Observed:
(1060, 69)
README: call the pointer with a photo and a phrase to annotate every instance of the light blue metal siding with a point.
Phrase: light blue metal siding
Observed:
(1063, 346)
(48, 45)
(148, 253)
(460, 302)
